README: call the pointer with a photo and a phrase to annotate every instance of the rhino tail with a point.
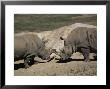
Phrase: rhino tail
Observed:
(91, 39)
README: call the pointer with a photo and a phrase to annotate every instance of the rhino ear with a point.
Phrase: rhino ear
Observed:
(62, 38)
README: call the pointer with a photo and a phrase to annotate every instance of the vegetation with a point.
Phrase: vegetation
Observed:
(44, 22)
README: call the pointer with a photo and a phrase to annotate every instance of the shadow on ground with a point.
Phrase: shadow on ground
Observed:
(70, 59)
(21, 65)
(17, 66)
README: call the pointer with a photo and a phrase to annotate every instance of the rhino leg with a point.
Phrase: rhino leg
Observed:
(26, 63)
(85, 52)
(31, 61)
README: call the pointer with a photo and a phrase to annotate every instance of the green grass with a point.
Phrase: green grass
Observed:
(40, 22)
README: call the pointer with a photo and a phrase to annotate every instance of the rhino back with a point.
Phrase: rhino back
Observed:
(83, 37)
(27, 44)
(34, 43)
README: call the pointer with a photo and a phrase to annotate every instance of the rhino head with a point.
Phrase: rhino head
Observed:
(67, 50)
(45, 54)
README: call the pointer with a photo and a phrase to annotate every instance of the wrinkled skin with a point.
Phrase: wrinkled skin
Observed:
(27, 47)
(83, 40)
(66, 52)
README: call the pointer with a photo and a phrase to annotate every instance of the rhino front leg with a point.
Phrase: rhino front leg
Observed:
(85, 52)
(31, 61)
(26, 63)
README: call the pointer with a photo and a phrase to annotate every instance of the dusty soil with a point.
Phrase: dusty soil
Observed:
(73, 67)
(54, 68)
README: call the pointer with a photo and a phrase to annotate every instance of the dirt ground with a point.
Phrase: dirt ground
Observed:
(56, 68)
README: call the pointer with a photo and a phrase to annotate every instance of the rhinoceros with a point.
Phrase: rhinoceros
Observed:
(28, 46)
(81, 39)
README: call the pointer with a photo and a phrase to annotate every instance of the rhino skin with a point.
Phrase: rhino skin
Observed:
(28, 46)
(82, 40)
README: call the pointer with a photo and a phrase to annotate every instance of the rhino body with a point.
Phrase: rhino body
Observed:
(27, 46)
(81, 39)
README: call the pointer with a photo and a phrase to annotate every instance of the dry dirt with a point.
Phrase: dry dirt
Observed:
(55, 68)
(74, 67)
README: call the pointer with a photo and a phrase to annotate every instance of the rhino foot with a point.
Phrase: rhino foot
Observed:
(87, 60)
(26, 66)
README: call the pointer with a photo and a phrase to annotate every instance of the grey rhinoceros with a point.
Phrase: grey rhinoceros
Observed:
(81, 39)
(28, 46)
